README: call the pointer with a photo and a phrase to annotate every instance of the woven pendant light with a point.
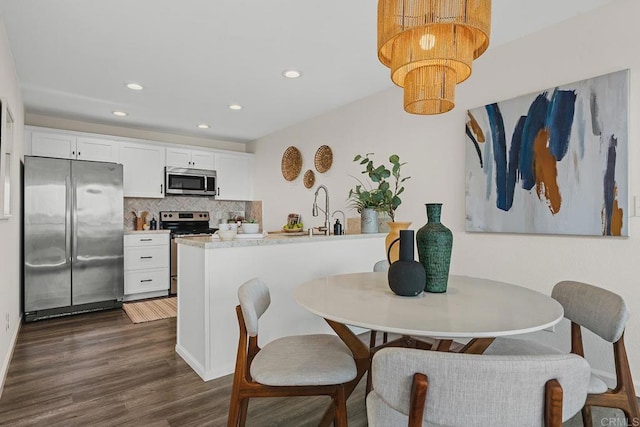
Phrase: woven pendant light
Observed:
(430, 90)
(447, 45)
(444, 34)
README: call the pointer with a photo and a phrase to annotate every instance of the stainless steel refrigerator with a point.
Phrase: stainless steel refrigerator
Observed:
(73, 236)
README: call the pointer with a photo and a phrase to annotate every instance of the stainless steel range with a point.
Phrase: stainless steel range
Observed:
(183, 224)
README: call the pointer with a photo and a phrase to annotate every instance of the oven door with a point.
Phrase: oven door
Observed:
(195, 182)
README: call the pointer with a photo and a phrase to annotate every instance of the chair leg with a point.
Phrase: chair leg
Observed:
(372, 339)
(385, 337)
(587, 420)
(633, 417)
(244, 406)
(623, 396)
(234, 409)
(340, 400)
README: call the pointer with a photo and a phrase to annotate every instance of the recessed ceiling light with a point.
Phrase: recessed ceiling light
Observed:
(203, 126)
(134, 86)
(120, 113)
(235, 107)
(291, 74)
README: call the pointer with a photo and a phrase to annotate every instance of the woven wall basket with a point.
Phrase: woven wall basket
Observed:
(291, 163)
(309, 178)
(323, 158)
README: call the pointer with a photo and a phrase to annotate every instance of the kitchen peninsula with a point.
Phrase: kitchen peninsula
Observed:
(211, 271)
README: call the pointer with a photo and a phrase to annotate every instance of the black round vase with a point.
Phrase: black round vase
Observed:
(406, 276)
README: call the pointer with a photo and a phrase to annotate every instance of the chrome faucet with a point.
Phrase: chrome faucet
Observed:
(315, 209)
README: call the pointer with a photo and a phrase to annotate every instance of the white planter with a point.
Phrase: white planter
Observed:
(369, 221)
(250, 228)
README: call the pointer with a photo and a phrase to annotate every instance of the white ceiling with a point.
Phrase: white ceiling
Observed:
(195, 57)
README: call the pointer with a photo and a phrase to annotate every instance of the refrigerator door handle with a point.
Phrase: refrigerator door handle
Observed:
(67, 218)
(74, 219)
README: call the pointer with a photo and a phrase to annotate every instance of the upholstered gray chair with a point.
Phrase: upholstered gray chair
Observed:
(381, 266)
(603, 313)
(301, 365)
(474, 390)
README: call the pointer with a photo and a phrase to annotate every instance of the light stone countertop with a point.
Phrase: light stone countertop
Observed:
(205, 242)
(147, 232)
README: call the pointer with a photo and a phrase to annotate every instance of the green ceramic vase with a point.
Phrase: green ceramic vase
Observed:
(434, 242)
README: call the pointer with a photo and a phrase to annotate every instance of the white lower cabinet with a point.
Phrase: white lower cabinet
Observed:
(146, 265)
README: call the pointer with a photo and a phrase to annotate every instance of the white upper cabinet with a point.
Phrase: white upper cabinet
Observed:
(69, 146)
(53, 145)
(96, 149)
(143, 168)
(144, 163)
(235, 176)
(195, 159)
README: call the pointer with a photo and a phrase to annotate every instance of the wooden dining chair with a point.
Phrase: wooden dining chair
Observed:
(453, 389)
(603, 313)
(301, 365)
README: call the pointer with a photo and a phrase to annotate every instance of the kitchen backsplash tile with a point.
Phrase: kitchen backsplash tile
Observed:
(218, 209)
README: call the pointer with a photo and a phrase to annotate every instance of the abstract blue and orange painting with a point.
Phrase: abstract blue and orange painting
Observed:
(553, 162)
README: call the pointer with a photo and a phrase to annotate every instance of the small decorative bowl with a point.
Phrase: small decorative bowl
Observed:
(226, 235)
(223, 226)
(250, 228)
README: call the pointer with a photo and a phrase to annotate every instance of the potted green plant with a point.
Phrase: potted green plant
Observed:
(250, 226)
(383, 192)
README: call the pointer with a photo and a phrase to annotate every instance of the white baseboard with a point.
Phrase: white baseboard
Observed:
(209, 375)
(5, 363)
(191, 361)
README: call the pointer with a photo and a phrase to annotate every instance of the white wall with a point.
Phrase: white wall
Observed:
(597, 43)
(10, 229)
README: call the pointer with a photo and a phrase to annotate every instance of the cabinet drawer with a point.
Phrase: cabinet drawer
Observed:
(139, 258)
(146, 239)
(146, 281)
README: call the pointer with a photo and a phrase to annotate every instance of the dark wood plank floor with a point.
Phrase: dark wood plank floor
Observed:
(99, 369)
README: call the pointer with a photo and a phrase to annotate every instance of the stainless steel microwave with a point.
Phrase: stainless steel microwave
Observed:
(190, 182)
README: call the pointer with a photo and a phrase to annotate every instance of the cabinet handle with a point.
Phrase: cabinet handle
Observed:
(73, 153)
(146, 280)
(161, 188)
(218, 193)
(146, 240)
(78, 153)
(146, 257)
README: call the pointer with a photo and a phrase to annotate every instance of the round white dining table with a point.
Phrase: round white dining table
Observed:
(471, 308)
